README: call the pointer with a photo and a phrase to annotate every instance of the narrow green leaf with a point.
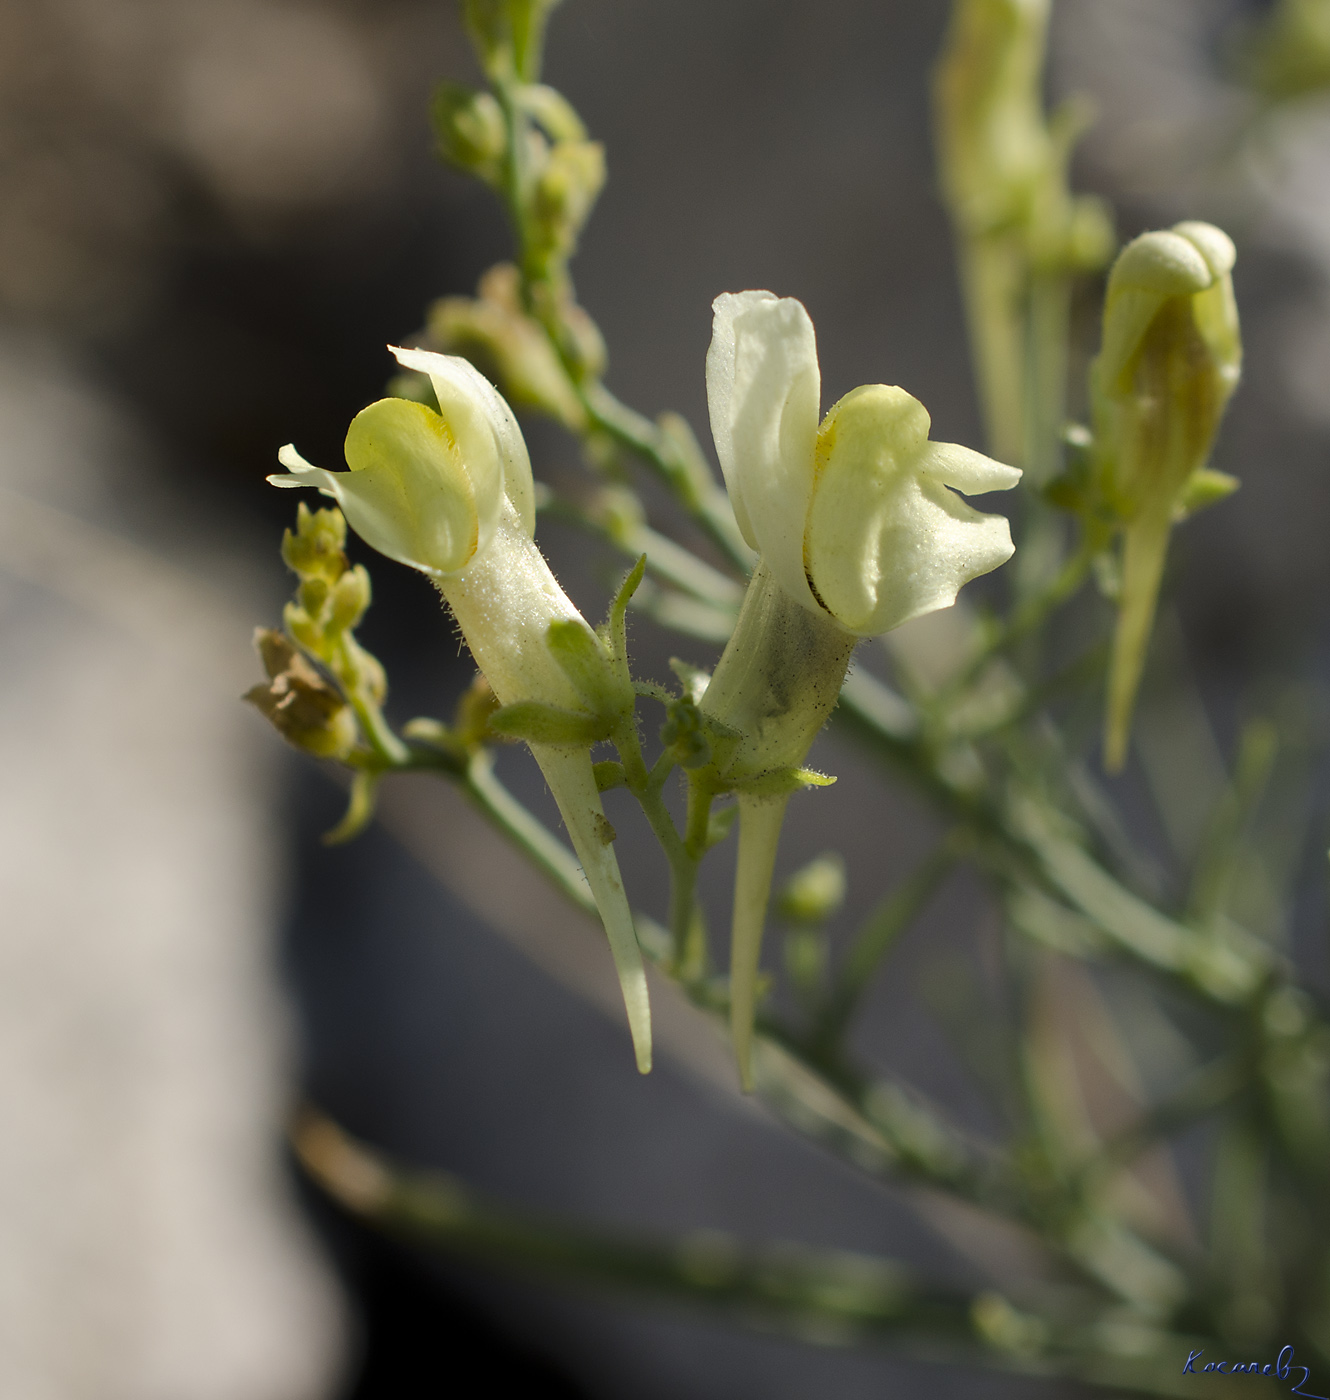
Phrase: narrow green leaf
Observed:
(575, 647)
(780, 782)
(609, 774)
(1205, 488)
(719, 825)
(693, 680)
(618, 638)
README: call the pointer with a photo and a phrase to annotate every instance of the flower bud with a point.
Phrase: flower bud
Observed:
(508, 35)
(567, 187)
(350, 599)
(315, 549)
(313, 594)
(1288, 55)
(814, 893)
(302, 706)
(470, 130)
(1171, 358)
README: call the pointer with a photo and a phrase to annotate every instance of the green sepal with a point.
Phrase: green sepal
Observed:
(780, 782)
(615, 635)
(538, 723)
(578, 651)
(692, 678)
(725, 742)
(471, 718)
(720, 824)
(1107, 568)
(609, 774)
(684, 734)
(1206, 487)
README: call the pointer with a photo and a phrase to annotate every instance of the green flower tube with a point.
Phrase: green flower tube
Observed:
(859, 529)
(451, 494)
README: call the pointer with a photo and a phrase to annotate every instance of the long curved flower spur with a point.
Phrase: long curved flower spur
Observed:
(451, 494)
(859, 529)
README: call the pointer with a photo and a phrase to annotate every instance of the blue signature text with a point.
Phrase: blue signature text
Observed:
(1282, 1367)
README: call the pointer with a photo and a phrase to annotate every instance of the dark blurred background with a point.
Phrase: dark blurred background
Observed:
(212, 220)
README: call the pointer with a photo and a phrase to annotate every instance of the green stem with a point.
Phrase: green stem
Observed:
(687, 474)
(666, 559)
(831, 1296)
(877, 936)
(993, 275)
(691, 482)
(388, 749)
(1029, 615)
(706, 1265)
(1219, 856)
(646, 786)
(516, 181)
(698, 819)
(512, 820)
(1049, 303)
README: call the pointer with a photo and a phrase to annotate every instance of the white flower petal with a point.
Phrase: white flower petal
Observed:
(410, 492)
(763, 387)
(304, 473)
(967, 470)
(487, 435)
(887, 541)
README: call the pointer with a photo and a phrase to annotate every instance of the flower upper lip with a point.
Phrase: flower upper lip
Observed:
(429, 489)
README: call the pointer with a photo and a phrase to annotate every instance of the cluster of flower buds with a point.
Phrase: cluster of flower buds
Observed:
(310, 707)
(496, 333)
(527, 142)
(1170, 360)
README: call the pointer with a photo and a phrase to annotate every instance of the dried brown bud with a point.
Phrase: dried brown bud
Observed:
(301, 704)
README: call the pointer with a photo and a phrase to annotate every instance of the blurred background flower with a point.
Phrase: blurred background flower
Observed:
(212, 219)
